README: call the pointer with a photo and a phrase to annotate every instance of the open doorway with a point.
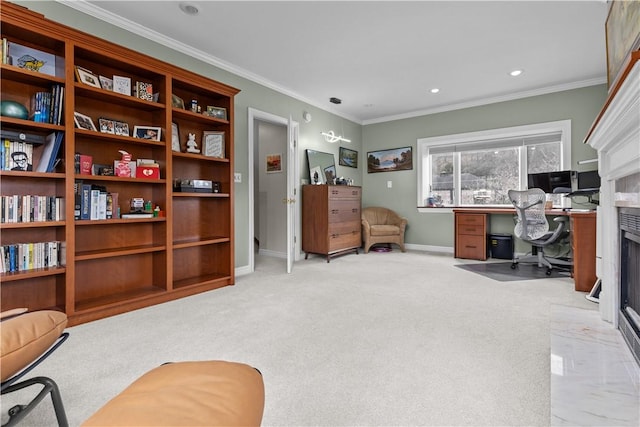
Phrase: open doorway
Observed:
(272, 169)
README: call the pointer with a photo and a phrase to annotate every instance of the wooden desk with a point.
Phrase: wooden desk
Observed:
(471, 230)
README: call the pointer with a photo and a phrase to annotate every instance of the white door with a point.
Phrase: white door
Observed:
(291, 200)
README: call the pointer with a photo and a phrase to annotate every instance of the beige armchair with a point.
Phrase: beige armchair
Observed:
(382, 225)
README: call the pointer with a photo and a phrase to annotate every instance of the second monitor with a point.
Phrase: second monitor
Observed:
(550, 181)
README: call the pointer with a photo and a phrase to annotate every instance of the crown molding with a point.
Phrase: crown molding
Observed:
(135, 28)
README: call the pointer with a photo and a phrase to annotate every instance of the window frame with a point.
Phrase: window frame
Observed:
(424, 145)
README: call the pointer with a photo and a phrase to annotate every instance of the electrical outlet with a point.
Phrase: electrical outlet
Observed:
(389, 184)
(237, 177)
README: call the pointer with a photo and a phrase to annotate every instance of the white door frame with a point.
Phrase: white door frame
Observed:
(292, 167)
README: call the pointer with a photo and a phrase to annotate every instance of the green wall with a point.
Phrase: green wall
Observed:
(436, 229)
(579, 105)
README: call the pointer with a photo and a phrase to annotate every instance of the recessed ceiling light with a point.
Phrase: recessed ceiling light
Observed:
(434, 90)
(515, 73)
(188, 8)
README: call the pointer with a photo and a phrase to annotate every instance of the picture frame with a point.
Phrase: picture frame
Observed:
(177, 102)
(175, 137)
(83, 121)
(106, 83)
(391, 160)
(31, 59)
(122, 85)
(87, 77)
(217, 112)
(121, 128)
(330, 174)
(273, 163)
(348, 158)
(147, 132)
(317, 177)
(213, 144)
(622, 29)
(106, 125)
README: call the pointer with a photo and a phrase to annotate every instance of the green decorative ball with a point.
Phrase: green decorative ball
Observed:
(13, 109)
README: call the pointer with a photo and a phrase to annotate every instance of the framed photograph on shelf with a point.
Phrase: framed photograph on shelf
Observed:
(348, 158)
(121, 128)
(274, 163)
(213, 144)
(217, 112)
(147, 132)
(395, 159)
(175, 137)
(106, 83)
(177, 102)
(83, 121)
(330, 174)
(106, 125)
(317, 177)
(122, 85)
(87, 77)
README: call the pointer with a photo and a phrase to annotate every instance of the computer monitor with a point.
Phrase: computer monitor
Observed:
(588, 180)
(549, 181)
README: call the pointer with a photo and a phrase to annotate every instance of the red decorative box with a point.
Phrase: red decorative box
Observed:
(148, 172)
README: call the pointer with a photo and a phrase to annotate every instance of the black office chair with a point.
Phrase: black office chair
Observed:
(532, 227)
(28, 339)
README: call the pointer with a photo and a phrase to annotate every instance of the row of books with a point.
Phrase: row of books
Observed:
(31, 208)
(47, 106)
(17, 154)
(30, 256)
(94, 202)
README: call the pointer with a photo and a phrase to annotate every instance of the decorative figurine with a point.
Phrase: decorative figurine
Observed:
(192, 146)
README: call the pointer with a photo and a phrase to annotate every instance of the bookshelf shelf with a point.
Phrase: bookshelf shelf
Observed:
(189, 249)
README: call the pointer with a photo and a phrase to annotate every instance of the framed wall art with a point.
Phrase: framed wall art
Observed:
(348, 158)
(274, 163)
(395, 159)
(623, 35)
(213, 144)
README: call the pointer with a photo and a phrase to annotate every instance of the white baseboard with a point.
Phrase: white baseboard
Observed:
(429, 248)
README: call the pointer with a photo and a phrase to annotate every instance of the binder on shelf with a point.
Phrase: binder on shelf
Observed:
(50, 152)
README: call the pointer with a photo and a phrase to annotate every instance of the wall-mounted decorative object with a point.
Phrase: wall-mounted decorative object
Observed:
(395, 159)
(147, 132)
(623, 35)
(213, 144)
(274, 163)
(348, 158)
(331, 137)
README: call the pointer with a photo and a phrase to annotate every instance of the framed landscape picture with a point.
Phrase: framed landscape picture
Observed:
(395, 159)
(623, 35)
(348, 158)
(274, 163)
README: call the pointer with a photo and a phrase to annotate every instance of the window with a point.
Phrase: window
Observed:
(478, 168)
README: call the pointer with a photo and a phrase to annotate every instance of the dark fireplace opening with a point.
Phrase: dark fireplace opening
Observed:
(629, 323)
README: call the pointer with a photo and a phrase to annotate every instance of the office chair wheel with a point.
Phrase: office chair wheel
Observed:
(15, 410)
(514, 265)
(548, 273)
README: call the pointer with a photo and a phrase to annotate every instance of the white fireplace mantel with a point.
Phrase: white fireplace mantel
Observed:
(616, 137)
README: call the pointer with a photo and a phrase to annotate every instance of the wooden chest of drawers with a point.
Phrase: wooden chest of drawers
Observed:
(471, 235)
(331, 219)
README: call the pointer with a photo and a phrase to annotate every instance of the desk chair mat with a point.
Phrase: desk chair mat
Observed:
(502, 271)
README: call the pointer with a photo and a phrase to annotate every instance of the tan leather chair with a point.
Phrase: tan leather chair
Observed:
(382, 225)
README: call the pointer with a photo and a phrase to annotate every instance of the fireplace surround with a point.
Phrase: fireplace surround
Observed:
(616, 137)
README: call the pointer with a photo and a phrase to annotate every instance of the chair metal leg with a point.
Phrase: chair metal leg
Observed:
(18, 412)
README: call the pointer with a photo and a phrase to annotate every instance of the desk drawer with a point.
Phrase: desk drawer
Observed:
(471, 247)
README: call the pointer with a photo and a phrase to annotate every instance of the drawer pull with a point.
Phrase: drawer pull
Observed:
(471, 247)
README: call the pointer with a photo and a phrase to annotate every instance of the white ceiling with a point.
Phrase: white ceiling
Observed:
(381, 58)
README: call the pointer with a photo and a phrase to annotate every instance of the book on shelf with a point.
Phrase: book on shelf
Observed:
(86, 161)
(50, 152)
(16, 155)
(137, 215)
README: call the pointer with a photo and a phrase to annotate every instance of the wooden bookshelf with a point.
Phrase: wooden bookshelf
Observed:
(116, 265)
